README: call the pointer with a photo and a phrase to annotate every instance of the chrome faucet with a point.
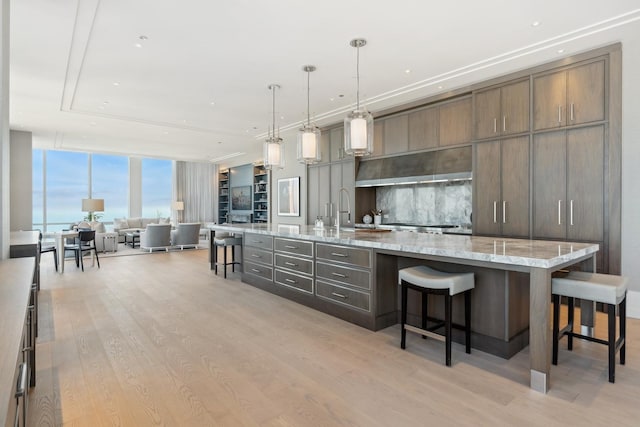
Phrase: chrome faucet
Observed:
(339, 211)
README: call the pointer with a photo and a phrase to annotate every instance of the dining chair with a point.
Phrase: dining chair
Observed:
(85, 242)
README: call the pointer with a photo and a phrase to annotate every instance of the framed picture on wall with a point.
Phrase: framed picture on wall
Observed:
(241, 198)
(289, 196)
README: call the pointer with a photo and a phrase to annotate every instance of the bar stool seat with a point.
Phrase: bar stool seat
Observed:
(603, 288)
(429, 281)
(224, 241)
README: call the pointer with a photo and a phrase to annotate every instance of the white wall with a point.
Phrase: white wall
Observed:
(631, 163)
(4, 130)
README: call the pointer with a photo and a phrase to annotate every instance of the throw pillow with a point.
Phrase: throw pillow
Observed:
(120, 224)
(98, 227)
(164, 221)
(135, 222)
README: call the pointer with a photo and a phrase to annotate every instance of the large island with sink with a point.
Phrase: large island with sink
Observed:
(352, 274)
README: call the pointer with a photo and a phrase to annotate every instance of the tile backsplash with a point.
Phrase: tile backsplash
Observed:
(426, 204)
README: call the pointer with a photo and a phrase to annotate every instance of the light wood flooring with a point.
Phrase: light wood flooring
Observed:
(160, 340)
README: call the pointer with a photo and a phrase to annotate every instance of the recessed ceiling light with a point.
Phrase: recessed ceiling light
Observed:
(560, 50)
(138, 45)
(331, 99)
(184, 120)
(116, 83)
(105, 102)
(407, 71)
(535, 23)
(439, 87)
(212, 103)
(281, 117)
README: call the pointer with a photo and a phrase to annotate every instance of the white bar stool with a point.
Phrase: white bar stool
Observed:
(603, 288)
(429, 281)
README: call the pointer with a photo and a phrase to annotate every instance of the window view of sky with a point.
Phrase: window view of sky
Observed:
(66, 175)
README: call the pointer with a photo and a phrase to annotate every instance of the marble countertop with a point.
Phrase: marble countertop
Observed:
(521, 252)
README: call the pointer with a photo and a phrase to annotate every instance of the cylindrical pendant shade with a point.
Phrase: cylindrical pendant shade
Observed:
(273, 153)
(358, 133)
(309, 145)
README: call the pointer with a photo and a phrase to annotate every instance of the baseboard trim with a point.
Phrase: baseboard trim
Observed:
(633, 304)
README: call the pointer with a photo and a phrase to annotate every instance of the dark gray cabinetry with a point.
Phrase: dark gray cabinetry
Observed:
(343, 275)
(501, 111)
(257, 256)
(501, 177)
(568, 184)
(569, 97)
(294, 264)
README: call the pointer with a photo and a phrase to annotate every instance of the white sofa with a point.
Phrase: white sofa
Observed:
(123, 226)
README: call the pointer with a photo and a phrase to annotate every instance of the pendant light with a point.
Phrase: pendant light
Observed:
(308, 136)
(358, 125)
(273, 147)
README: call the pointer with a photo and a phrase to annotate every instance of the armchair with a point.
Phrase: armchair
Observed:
(156, 236)
(187, 234)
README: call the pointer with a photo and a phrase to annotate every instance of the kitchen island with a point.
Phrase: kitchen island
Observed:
(353, 275)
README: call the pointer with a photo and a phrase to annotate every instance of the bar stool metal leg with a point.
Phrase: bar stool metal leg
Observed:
(447, 327)
(425, 304)
(467, 321)
(623, 329)
(403, 320)
(556, 328)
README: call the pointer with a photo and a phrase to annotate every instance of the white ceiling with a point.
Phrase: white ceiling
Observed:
(66, 55)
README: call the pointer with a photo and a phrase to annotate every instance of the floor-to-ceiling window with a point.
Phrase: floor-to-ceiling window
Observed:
(156, 188)
(67, 183)
(110, 181)
(61, 179)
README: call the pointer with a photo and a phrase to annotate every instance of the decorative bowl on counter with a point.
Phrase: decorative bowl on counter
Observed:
(367, 219)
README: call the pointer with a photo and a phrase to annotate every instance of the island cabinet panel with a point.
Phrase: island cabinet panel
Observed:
(347, 297)
(294, 281)
(346, 275)
(293, 246)
(568, 177)
(258, 270)
(455, 122)
(259, 241)
(258, 255)
(569, 97)
(294, 264)
(396, 134)
(502, 111)
(344, 254)
(423, 129)
(502, 188)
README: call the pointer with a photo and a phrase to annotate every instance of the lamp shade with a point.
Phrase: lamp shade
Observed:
(178, 206)
(92, 205)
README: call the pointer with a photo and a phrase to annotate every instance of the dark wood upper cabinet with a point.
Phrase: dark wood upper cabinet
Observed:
(569, 97)
(423, 129)
(502, 111)
(455, 122)
(396, 134)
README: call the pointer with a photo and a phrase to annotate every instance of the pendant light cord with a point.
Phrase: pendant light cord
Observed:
(308, 112)
(358, 78)
(273, 109)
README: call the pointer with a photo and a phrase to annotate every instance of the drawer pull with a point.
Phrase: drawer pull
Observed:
(22, 380)
(335, 294)
(256, 256)
(255, 270)
(291, 281)
(292, 264)
(339, 254)
(344, 276)
(257, 241)
(291, 247)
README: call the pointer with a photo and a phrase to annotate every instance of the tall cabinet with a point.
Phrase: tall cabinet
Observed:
(324, 181)
(501, 178)
(223, 196)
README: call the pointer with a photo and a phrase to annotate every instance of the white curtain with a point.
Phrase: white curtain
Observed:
(196, 186)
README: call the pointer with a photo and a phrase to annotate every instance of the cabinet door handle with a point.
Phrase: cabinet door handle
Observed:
(335, 294)
(256, 256)
(255, 270)
(559, 113)
(291, 247)
(495, 211)
(257, 241)
(504, 123)
(559, 212)
(571, 212)
(22, 381)
(291, 281)
(292, 264)
(504, 212)
(339, 254)
(326, 210)
(344, 276)
(495, 125)
(572, 111)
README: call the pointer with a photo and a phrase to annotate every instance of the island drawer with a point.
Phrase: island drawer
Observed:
(301, 283)
(258, 241)
(258, 255)
(346, 275)
(293, 246)
(344, 254)
(258, 270)
(340, 295)
(299, 265)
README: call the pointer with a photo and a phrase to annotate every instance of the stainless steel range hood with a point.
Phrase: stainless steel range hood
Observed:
(453, 164)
